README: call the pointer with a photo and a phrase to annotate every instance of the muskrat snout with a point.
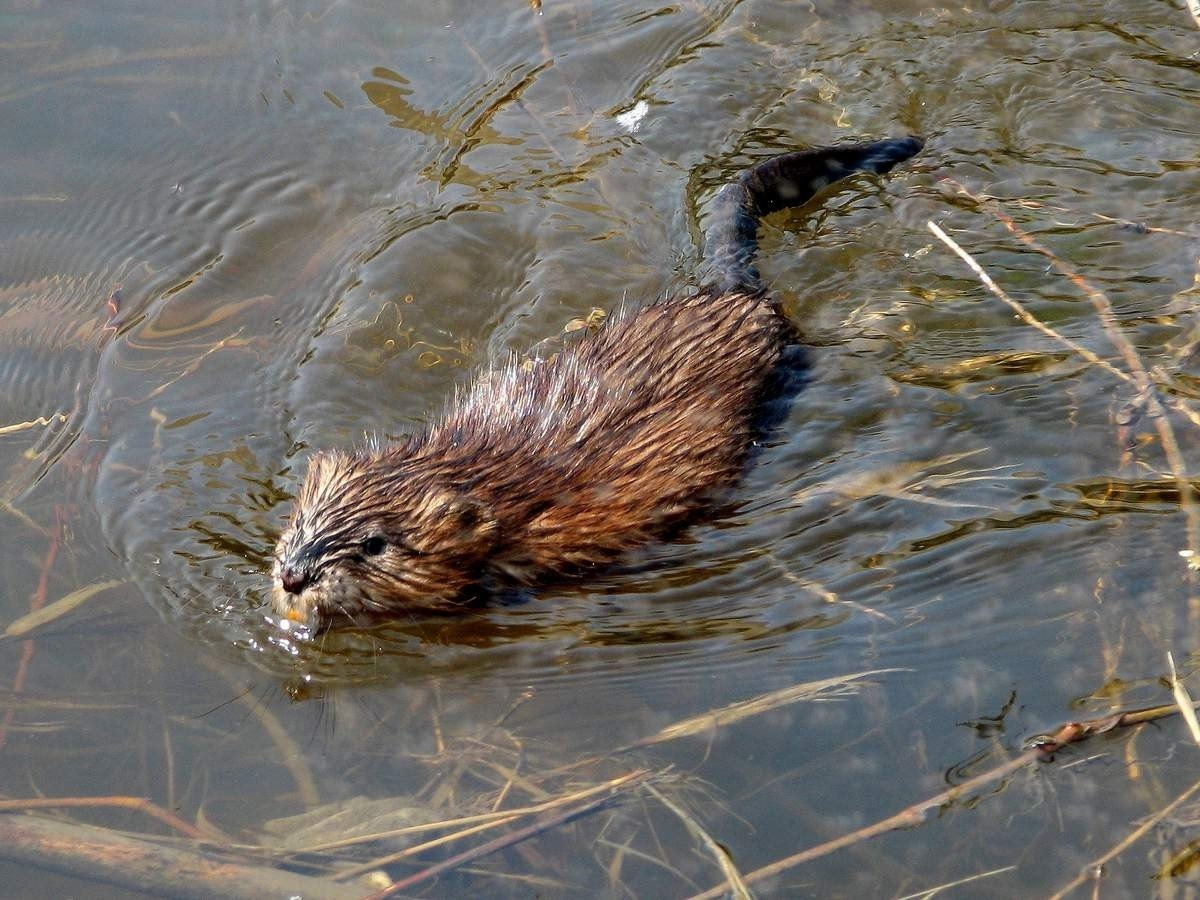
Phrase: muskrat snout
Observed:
(292, 596)
(293, 581)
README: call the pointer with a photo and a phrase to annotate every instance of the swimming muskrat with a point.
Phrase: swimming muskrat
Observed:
(544, 473)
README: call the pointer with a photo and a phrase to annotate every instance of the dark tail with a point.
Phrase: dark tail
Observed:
(788, 180)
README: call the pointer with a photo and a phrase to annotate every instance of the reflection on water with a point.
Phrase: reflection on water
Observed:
(231, 236)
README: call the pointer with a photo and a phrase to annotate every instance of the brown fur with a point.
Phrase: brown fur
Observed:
(544, 473)
(538, 474)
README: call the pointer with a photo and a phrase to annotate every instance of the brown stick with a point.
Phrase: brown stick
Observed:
(107, 857)
(139, 804)
(1039, 748)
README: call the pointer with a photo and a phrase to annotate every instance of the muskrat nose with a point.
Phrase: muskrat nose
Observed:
(294, 581)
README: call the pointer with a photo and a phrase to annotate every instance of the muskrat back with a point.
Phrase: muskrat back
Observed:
(542, 473)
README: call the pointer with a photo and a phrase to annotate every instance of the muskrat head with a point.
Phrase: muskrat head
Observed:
(370, 535)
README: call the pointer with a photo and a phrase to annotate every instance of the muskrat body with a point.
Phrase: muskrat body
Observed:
(542, 473)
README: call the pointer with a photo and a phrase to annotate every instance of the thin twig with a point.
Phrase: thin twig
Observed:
(1025, 315)
(35, 603)
(907, 818)
(1090, 871)
(1039, 748)
(1129, 353)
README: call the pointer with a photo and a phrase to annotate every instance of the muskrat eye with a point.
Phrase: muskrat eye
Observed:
(374, 545)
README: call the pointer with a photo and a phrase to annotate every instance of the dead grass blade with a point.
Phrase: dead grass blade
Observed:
(737, 886)
(289, 752)
(1187, 708)
(840, 686)
(905, 480)
(24, 519)
(542, 824)
(468, 825)
(47, 614)
(934, 891)
(39, 422)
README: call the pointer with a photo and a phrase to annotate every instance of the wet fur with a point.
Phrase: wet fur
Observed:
(543, 473)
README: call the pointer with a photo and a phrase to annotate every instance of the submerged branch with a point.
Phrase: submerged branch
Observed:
(1137, 376)
(139, 804)
(1041, 747)
(108, 857)
(1025, 315)
(1095, 868)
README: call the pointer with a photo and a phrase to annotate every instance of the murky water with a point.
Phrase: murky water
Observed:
(231, 235)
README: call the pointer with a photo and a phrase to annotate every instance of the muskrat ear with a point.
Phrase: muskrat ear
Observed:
(459, 521)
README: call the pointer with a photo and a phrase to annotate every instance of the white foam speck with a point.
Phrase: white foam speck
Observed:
(631, 120)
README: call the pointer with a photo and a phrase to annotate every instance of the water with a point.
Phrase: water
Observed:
(229, 235)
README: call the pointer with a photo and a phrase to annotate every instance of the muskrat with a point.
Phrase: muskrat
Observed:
(543, 473)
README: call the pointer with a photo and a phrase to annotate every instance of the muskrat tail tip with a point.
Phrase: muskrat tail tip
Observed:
(779, 183)
(883, 156)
